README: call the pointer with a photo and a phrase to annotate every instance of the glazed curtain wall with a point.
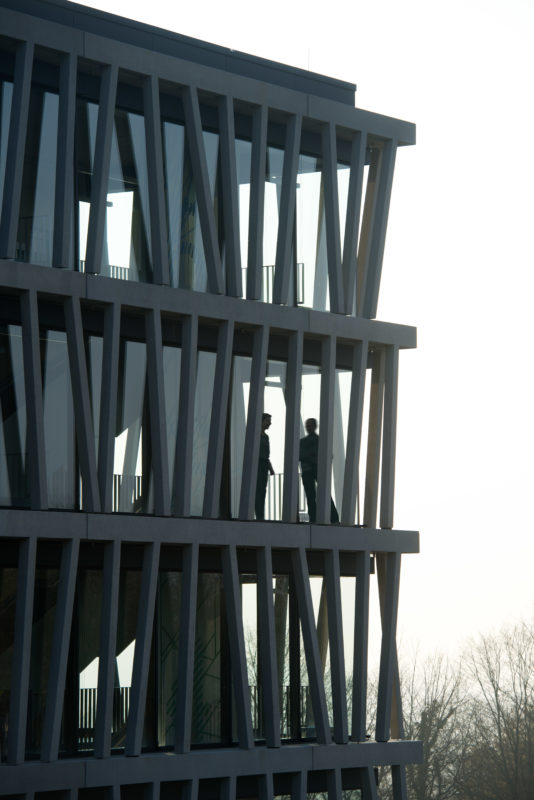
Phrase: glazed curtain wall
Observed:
(290, 691)
(139, 413)
(141, 185)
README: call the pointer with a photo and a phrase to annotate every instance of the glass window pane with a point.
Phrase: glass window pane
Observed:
(14, 489)
(239, 412)
(269, 487)
(86, 122)
(36, 219)
(58, 413)
(168, 621)
(172, 357)
(201, 431)
(132, 478)
(207, 725)
(173, 152)
(273, 187)
(310, 235)
(309, 445)
(44, 612)
(129, 592)
(127, 244)
(8, 593)
(243, 153)
(6, 94)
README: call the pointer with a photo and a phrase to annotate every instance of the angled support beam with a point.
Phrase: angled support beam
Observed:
(257, 202)
(387, 491)
(154, 160)
(286, 220)
(331, 208)
(18, 702)
(202, 186)
(143, 639)
(184, 436)
(265, 788)
(397, 722)
(299, 781)
(230, 197)
(337, 653)
(311, 645)
(68, 574)
(267, 648)
(291, 449)
(63, 244)
(190, 790)
(156, 399)
(388, 652)
(351, 481)
(333, 783)
(252, 434)
(108, 404)
(326, 428)
(218, 425)
(16, 145)
(107, 649)
(398, 780)
(232, 595)
(228, 788)
(380, 221)
(361, 647)
(34, 401)
(368, 783)
(104, 133)
(186, 653)
(82, 409)
(374, 440)
(363, 258)
(352, 224)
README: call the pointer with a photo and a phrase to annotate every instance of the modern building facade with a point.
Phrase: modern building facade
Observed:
(189, 237)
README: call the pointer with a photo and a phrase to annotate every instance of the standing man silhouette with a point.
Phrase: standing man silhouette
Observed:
(308, 453)
(264, 467)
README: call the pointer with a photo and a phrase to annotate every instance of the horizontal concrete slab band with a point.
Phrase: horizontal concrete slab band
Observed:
(15, 523)
(204, 77)
(143, 296)
(224, 762)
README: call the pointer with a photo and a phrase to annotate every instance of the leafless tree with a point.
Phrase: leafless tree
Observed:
(501, 759)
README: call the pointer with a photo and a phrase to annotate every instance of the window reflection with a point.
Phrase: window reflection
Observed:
(168, 622)
(243, 154)
(210, 685)
(132, 491)
(186, 247)
(44, 612)
(273, 187)
(201, 430)
(172, 358)
(58, 414)
(8, 593)
(274, 404)
(6, 94)
(86, 122)
(36, 219)
(14, 489)
(127, 247)
(310, 236)
(239, 414)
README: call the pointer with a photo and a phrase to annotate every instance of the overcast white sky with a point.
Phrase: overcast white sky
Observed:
(458, 265)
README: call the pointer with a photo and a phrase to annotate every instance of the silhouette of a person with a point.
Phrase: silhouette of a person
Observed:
(264, 467)
(308, 453)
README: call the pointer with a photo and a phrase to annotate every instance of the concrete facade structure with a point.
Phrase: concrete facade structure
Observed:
(190, 236)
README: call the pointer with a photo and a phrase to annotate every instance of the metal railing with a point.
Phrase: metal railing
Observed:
(267, 282)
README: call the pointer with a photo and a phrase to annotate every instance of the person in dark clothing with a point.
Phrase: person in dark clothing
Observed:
(308, 453)
(264, 468)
